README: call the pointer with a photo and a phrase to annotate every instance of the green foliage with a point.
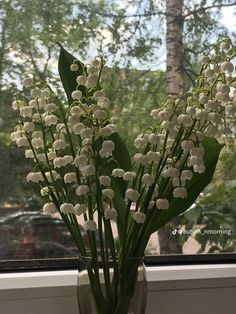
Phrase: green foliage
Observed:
(215, 215)
(134, 93)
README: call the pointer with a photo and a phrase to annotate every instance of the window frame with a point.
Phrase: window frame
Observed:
(55, 264)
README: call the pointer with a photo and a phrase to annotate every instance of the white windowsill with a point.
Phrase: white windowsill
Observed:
(68, 278)
(55, 292)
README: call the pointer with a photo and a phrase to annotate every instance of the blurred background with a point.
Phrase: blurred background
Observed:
(144, 43)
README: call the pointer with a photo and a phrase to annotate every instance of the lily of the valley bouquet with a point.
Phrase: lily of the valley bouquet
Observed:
(84, 169)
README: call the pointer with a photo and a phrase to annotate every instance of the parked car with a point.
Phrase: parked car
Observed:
(30, 234)
(18, 250)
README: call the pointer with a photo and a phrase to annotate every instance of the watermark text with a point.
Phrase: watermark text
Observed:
(203, 232)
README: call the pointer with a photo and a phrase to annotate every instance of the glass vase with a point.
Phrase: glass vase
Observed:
(115, 287)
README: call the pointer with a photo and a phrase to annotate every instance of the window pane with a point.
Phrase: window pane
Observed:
(131, 35)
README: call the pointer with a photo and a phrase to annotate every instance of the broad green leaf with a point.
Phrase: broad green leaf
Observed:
(121, 152)
(121, 160)
(194, 187)
(68, 77)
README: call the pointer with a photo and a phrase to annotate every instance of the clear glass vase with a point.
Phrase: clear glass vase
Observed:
(119, 288)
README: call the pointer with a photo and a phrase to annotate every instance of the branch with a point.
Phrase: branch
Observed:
(124, 16)
(195, 52)
(47, 61)
(194, 12)
(187, 72)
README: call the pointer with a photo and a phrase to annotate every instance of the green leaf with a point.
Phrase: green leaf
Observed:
(121, 153)
(121, 160)
(194, 187)
(68, 77)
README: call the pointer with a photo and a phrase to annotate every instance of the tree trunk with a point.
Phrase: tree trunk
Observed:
(3, 40)
(174, 47)
(169, 242)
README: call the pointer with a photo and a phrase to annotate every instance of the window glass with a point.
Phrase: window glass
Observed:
(131, 36)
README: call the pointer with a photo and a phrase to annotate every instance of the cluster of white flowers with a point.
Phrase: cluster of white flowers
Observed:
(60, 141)
(173, 150)
(67, 144)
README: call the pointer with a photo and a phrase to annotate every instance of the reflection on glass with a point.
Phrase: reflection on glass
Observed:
(26, 234)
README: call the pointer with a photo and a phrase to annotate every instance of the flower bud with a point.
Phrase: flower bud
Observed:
(187, 145)
(50, 120)
(26, 112)
(27, 82)
(80, 161)
(52, 175)
(34, 177)
(22, 141)
(118, 173)
(81, 80)
(99, 115)
(29, 153)
(140, 142)
(227, 67)
(185, 119)
(162, 203)
(49, 208)
(105, 132)
(68, 159)
(170, 172)
(70, 177)
(45, 94)
(154, 139)
(129, 175)
(105, 181)
(42, 158)
(186, 174)
(90, 225)
(37, 142)
(77, 128)
(35, 93)
(199, 168)
(98, 94)
(80, 209)
(92, 81)
(153, 156)
(180, 192)
(74, 67)
(59, 144)
(132, 195)
(139, 217)
(29, 126)
(76, 95)
(86, 133)
(88, 170)
(110, 213)
(67, 208)
(108, 193)
(104, 102)
(147, 179)
(82, 190)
